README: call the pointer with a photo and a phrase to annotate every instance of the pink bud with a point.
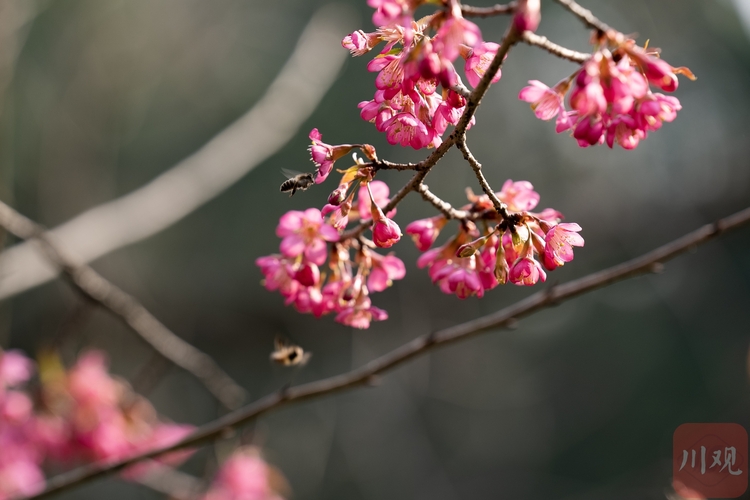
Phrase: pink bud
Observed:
(528, 15)
(308, 274)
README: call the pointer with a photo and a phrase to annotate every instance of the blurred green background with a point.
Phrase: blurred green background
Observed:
(579, 402)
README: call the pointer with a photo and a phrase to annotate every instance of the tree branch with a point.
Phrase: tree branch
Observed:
(543, 43)
(649, 262)
(495, 10)
(230, 155)
(585, 15)
(440, 204)
(500, 207)
(93, 286)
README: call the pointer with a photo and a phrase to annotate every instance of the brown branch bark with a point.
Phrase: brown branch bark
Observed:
(543, 42)
(96, 288)
(500, 207)
(441, 204)
(649, 262)
(585, 15)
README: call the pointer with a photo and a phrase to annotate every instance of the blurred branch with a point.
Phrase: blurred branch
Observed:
(543, 42)
(261, 132)
(495, 10)
(553, 295)
(92, 285)
(585, 15)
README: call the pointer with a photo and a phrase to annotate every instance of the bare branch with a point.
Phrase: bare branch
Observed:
(495, 10)
(261, 132)
(440, 204)
(500, 207)
(92, 285)
(543, 43)
(553, 295)
(585, 15)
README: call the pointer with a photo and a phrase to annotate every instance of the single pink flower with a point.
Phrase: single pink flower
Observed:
(360, 43)
(385, 269)
(526, 271)
(479, 60)
(244, 476)
(324, 155)
(361, 314)
(305, 233)
(425, 231)
(545, 102)
(560, 241)
(454, 32)
(519, 196)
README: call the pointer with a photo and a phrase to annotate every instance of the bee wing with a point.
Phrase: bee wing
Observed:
(289, 174)
(280, 343)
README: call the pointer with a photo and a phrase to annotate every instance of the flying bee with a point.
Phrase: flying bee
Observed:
(296, 181)
(287, 354)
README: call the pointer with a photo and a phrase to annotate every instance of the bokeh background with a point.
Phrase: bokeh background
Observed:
(579, 402)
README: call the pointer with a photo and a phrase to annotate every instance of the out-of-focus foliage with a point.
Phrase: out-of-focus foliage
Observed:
(579, 401)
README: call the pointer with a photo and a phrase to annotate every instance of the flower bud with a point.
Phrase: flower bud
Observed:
(528, 15)
(308, 274)
(338, 195)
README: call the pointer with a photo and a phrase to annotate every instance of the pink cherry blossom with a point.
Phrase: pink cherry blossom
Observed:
(545, 102)
(243, 476)
(305, 233)
(478, 60)
(361, 314)
(560, 241)
(324, 155)
(360, 43)
(385, 269)
(424, 232)
(526, 271)
(519, 196)
(385, 231)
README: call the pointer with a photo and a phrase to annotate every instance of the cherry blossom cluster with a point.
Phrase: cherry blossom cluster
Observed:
(246, 476)
(352, 269)
(321, 269)
(326, 267)
(417, 58)
(80, 415)
(487, 253)
(611, 97)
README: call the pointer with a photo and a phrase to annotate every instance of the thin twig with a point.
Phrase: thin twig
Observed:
(495, 10)
(543, 43)
(440, 204)
(255, 136)
(389, 165)
(585, 15)
(93, 286)
(554, 295)
(500, 207)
